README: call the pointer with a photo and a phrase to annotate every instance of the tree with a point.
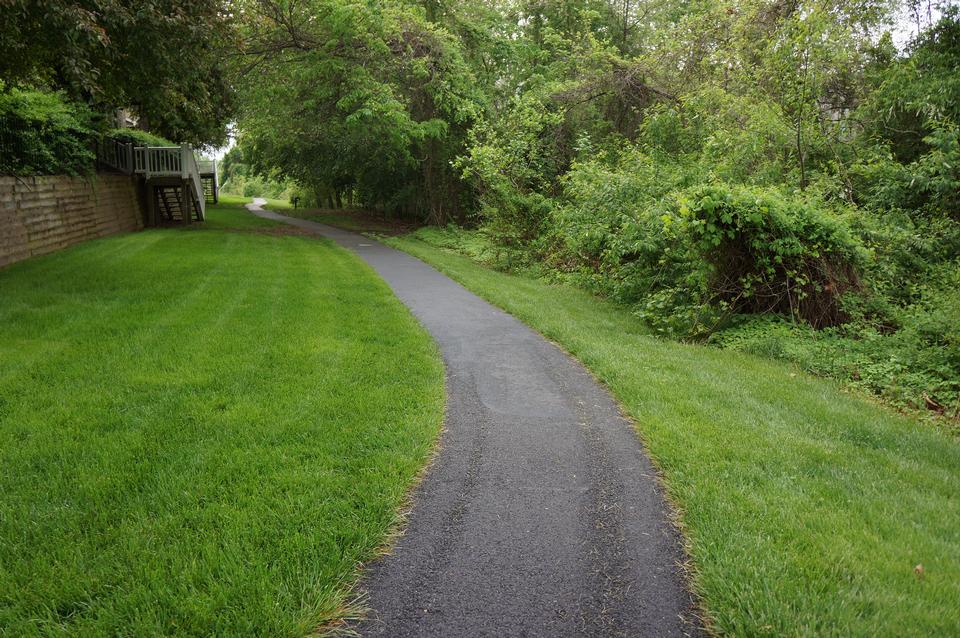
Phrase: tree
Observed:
(912, 95)
(163, 57)
(357, 99)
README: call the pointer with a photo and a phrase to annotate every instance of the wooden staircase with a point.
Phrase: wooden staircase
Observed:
(209, 180)
(209, 188)
(177, 186)
(172, 203)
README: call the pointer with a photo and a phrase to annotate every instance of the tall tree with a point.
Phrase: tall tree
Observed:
(357, 98)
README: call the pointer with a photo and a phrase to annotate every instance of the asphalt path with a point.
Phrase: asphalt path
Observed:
(541, 515)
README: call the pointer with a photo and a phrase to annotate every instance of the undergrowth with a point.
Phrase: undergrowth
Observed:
(915, 367)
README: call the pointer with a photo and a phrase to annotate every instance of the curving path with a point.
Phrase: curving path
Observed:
(541, 516)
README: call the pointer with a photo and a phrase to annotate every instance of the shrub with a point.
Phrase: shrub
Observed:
(258, 186)
(139, 138)
(770, 253)
(610, 227)
(916, 367)
(937, 173)
(907, 254)
(513, 170)
(606, 220)
(689, 256)
(44, 134)
(929, 186)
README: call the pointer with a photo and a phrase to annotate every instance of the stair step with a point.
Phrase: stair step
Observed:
(173, 205)
(169, 203)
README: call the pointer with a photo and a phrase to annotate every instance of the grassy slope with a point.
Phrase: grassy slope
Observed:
(201, 432)
(806, 509)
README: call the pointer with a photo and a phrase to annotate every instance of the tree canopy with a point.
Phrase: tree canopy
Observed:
(709, 163)
(448, 109)
(164, 58)
(366, 98)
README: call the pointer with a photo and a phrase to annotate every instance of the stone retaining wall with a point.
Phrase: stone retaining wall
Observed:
(39, 215)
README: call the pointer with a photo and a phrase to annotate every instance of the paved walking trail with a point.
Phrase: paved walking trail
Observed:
(541, 515)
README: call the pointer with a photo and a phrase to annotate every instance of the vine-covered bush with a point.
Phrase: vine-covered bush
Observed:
(43, 134)
(769, 253)
(690, 257)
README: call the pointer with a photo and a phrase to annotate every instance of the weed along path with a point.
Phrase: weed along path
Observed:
(541, 515)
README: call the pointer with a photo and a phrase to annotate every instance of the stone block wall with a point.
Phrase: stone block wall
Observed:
(39, 215)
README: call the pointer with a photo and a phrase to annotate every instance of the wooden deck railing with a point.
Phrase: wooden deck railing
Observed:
(116, 154)
(207, 166)
(156, 161)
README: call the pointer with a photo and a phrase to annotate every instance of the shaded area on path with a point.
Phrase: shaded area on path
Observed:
(541, 515)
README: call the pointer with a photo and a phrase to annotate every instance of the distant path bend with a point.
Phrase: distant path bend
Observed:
(541, 515)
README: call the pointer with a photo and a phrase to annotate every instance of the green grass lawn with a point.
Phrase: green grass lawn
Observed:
(202, 431)
(806, 509)
(231, 201)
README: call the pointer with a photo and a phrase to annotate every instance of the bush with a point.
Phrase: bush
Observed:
(915, 367)
(770, 253)
(139, 138)
(610, 230)
(513, 170)
(689, 257)
(608, 218)
(44, 134)
(256, 186)
(929, 186)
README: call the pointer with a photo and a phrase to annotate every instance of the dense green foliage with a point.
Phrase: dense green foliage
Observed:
(68, 66)
(193, 441)
(238, 178)
(43, 134)
(691, 259)
(806, 510)
(162, 58)
(138, 137)
(365, 102)
(715, 166)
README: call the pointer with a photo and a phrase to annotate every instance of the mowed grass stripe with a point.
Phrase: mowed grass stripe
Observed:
(806, 509)
(201, 432)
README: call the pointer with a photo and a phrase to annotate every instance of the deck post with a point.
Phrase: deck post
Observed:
(186, 201)
(151, 204)
(185, 160)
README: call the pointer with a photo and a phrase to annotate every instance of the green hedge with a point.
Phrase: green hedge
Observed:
(138, 137)
(44, 134)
